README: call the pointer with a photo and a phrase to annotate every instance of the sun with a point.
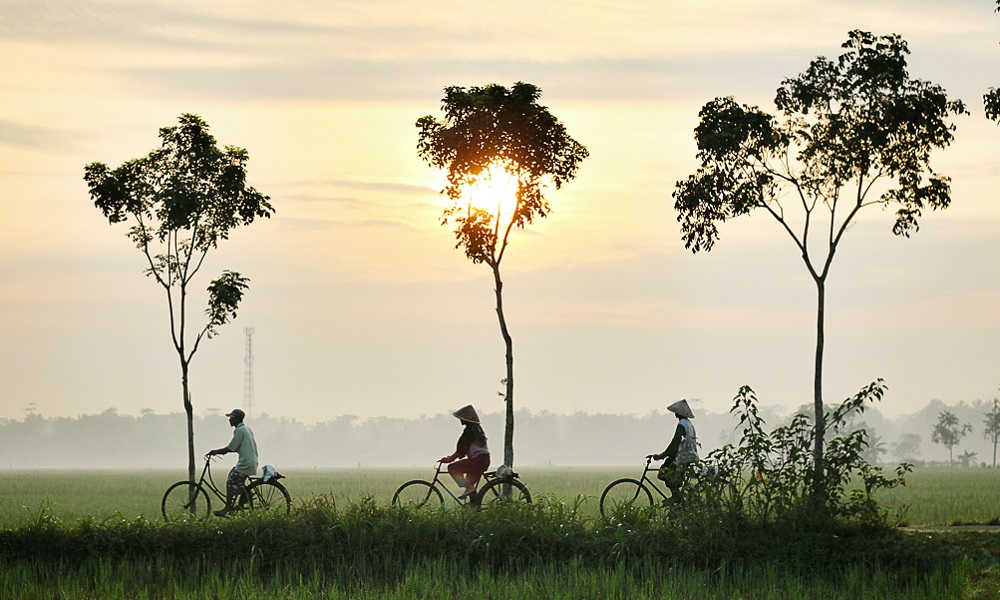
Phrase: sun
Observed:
(495, 192)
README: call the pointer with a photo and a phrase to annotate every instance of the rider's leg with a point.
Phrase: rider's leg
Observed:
(458, 472)
(474, 470)
(468, 471)
(234, 487)
(675, 481)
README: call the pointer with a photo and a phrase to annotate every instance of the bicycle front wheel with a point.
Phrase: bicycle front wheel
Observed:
(503, 491)
(266, 495)
(418, 494)
(185, 501)
(622, 494)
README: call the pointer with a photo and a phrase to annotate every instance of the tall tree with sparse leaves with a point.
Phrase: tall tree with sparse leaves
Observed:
(991, 428)
(180, 201)
(850, 133)
(488, 131)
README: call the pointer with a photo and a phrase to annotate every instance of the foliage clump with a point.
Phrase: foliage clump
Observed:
(769, 478)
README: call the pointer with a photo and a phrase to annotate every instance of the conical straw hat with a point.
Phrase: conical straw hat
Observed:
(467, 413)
(681, 408)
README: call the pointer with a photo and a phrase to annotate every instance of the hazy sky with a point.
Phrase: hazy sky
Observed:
(359, 302)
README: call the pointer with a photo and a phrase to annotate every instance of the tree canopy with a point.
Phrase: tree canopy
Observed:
(843, 125)
(492, 128)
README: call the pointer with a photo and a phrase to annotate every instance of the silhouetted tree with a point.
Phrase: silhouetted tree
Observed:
(876, 447)
(492, 131)
(949, 431)
(180, 201)
(850, 133)
(967, 459)
(991, 428)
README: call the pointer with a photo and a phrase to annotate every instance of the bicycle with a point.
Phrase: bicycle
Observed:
(420, 493)
(187, 500)
(627, 491)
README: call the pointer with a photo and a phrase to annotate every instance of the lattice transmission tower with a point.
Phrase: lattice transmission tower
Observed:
(248, 399)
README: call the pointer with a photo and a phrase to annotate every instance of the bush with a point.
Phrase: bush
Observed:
(770, 478)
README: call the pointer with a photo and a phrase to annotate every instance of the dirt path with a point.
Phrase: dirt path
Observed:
(993, 528)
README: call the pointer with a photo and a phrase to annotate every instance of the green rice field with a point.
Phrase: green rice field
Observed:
(930, 497)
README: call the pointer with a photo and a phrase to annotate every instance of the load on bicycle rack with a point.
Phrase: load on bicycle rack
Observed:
(187, 500)
(501, 487)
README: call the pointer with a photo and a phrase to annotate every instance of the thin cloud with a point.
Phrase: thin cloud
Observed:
(315, 224)
(35, 138)
(377, 186)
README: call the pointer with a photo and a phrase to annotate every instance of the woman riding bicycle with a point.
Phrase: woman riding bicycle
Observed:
(471, 449)
(682, 451)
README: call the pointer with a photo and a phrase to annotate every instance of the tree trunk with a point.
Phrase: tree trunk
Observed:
(189, 411)
(818, 463)
(508, 434)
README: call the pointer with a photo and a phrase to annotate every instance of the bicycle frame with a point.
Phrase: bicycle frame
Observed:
(437, 483)
(492, 490)
(209, 483)
(646, 481)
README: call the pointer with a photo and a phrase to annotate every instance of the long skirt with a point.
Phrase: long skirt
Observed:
(466, 472)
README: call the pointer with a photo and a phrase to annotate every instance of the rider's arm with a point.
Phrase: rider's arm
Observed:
(234, 444)
(675, 444)
(461, 449)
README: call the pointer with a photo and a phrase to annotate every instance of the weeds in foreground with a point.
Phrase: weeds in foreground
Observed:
(456, 579)
(547, 549)
(770, 477)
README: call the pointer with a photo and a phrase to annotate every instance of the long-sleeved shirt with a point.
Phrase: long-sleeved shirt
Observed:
(684, 431)
(472, 442)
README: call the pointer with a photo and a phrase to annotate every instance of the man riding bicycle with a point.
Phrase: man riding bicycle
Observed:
(244, 444)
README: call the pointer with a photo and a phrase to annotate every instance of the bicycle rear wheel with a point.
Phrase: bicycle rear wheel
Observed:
(418, 494)
(266, 495)
(185, 501)
(623, 494)
(503, 491)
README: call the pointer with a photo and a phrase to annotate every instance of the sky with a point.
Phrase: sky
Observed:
(359, 302)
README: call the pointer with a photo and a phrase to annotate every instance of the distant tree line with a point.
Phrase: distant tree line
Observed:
(113, 440)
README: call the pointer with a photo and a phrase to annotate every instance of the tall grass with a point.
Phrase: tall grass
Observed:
(453, 579)
(366, 549)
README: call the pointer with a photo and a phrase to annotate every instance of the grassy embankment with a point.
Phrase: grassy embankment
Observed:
(99, 536)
